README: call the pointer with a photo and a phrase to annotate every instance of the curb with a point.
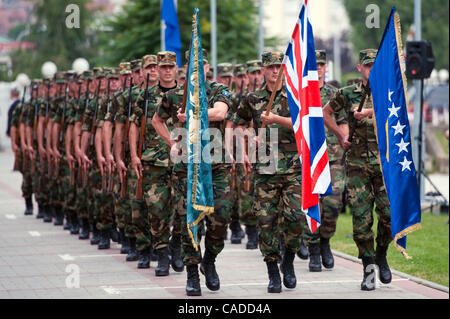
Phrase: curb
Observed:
(398, 273)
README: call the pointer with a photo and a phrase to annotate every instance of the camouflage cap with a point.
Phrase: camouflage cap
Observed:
(272, 58)
(353, 81)
(167, 58)
(254, 65)
(136, 65)
(367, 56)
(113, 73)
(321, 56)
(98, 72)
(59, 77)
(149, 59)
(70, 75)
(204, 52)
(210, 74)
(47, 81)
(35, 83)
(225, 69)
(125, 67)
(181, 72)
(239, 69)
(88, 75)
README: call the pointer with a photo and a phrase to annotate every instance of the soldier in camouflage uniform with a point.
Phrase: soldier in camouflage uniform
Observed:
(216, 223)
(365, 187)
(278, 181)
(318, 243)
(155, 166)
(255, 77)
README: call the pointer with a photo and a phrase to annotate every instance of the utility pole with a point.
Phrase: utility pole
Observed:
(214, 37)
(261, 30)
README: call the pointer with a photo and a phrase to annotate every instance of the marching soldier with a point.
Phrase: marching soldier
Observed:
(255, 77)
(216, 223)
(277, 203)
(365, 187)
(318, 243)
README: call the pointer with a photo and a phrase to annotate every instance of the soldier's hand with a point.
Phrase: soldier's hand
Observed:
(14, 147)
(121, 168)
(71, 162)
(345, 143)
(31, 152)
(181, 116)
(57, 155)
(267, 119)
(360, 115)
(247, 165)
(175, 152)
(110, 164)
(137, 166)
(101, 164)
(86, 162)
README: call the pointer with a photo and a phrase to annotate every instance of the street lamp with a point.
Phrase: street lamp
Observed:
(48, 69)
(22, 79)
(80, 65)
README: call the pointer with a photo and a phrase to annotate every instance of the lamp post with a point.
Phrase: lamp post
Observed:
(80, 65)
(48, 69)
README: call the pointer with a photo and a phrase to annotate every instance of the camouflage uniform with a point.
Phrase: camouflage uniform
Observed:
(365, 187)
(217, 222)
(278, 185)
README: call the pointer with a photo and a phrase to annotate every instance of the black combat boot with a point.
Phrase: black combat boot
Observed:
(68, 223)
(193, 281)
(144, 258)
(28, 206)
(59, 214)
(287, 268)
(104, 242)
(369, 280)
(40, 213)
(153, 255)
(163, 262)
(208, 268)
(303, 253)
(48, 214)
(175, 252)
(236, 232)
(383, 267)
(132, 252)
(75, 229)
(124, 241)
(274, 277)
(114, 234)
(84, 229)
(325, 253)
(314, 258)
(95, 234)
(252, 235)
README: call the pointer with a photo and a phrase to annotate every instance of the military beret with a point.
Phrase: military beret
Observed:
(367, 56)
(272, 58)
(239, 69)
(149, 59)
(125, 67)
(225, 69)
(321, 56)
(254, 65)
(167, 58)
(136, 65)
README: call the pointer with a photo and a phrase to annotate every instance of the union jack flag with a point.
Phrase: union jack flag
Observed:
(305, 106)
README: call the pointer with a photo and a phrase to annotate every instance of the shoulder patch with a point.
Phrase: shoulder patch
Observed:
(226, 93)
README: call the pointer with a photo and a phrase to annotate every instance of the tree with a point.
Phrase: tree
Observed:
(54, 39)
(136, 31)
(435, 24)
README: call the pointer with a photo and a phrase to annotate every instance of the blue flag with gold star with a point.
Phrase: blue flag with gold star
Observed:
(388, 84)
(200, 198)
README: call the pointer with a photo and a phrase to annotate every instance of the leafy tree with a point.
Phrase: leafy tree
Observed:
(136, 31)
(435, 24)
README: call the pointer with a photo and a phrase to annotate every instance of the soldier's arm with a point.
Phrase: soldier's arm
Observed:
(330, 123)
(48, 146)
(40, 137)
(29, 137)
(98, 142)
(107, 142)
(55, 138)
(161, 128)
(77, 139)
(13, 132)
(276, 119)
(218, 112)
(23, 143)
(68, 143)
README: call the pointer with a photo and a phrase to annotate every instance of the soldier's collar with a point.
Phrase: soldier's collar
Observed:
(282, 93)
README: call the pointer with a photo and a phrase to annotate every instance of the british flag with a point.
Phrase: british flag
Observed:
(305, 106)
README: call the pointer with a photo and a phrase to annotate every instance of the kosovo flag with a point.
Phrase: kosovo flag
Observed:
(172, 37)
(388, 84)
(200, 199)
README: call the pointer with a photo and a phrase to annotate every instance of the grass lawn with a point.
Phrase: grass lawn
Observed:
(429, 247)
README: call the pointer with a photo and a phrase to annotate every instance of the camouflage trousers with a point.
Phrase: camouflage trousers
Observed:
(216, 223)
(153, 222)
(331, 206)
(366, 192)
(83, 197)
(242, 210)
(277, 206)
(55, 188)
(138, 209)
(42, 181)
(27, 179)
(123, 208)
(102, 208)
(68, 191)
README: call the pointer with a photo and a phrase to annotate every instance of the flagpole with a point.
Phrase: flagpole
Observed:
(261, 30)
(163, 36)
(214, 37)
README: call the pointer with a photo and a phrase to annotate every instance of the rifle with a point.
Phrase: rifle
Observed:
(48, 138)
(353, 120)
(72, 167)
(61, 130)
(86, 104)
(123, 190)
(247, 174)
(24, 154)
(139, 188)
(104, 177)
(93, 127)
(35, 122)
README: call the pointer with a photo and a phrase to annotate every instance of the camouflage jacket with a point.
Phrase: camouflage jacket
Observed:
(251, 108)
(335, 151)
(118, 110)
(364, 142)
(172, 101)
(156, 152)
